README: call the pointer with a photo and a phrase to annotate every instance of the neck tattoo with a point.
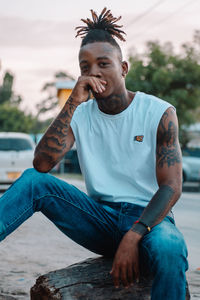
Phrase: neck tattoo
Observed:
(113, 104)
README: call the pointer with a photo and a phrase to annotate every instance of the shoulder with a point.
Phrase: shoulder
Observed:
(153, 110)
(152, 106)
(151, 100)
(83, 109)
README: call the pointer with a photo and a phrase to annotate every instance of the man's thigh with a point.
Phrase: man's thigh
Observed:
(81, 218)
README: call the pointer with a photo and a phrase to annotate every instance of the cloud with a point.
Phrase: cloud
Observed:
(20, 32)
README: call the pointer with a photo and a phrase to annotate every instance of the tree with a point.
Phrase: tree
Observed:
(6, 90)
(12, 118)
(172, 77)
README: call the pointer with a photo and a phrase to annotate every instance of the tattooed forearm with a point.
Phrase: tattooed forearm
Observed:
(168, 150)
(156, 210)
(54, 143)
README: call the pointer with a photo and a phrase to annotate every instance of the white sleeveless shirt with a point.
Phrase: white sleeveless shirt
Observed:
(117, 153)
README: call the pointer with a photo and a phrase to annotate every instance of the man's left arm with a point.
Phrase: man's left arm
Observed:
(169, 178)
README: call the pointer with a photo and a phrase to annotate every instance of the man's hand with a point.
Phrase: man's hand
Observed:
(125, 267)
(84, 84)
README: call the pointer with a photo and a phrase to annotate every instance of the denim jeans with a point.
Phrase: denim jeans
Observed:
(98, 226)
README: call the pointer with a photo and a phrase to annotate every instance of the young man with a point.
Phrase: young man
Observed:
(130, 157)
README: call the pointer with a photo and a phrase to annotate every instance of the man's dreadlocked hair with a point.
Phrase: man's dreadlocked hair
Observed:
(101, 29)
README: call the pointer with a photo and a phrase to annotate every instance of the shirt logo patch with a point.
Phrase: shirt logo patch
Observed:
(139, 138)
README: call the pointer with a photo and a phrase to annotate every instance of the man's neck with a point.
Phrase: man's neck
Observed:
(116, 103)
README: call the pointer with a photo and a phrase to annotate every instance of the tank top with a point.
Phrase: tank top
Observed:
(117, 153)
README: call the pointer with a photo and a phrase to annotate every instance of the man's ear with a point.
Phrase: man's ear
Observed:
(124, 68)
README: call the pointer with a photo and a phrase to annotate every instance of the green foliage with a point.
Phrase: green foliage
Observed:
(6, 91)
(15, 120)
(6, 88)
(12, 118)
(174, 78)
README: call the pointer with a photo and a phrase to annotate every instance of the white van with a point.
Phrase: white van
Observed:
(16, 155)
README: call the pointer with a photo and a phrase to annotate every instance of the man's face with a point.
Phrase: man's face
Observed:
(102, 60)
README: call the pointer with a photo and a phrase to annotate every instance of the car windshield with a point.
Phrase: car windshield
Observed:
(15, 144)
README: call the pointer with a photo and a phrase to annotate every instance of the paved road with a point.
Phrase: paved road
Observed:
(38, 247)
(187, 216)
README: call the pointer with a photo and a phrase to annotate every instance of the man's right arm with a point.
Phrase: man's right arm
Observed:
(59, 137)
(57, 140)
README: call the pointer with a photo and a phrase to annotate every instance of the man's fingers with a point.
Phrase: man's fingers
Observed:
(136, 271)
(123, 276)
(115, 274)
(103, 81)
(100, 88)
(81, 91)
(97, 85)
(130, 274)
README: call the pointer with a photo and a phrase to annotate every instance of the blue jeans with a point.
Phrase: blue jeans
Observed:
(98, 226)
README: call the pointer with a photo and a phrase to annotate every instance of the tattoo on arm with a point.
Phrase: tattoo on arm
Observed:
(156, 210)
(168, 155)
(168, 152)
(53, 144)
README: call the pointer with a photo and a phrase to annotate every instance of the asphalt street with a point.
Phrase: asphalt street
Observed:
(187, 216)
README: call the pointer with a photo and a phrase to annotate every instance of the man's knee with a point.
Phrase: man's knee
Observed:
(171, 253)
(31, 172)
(33, 175)
(167, 249)
(39, 182)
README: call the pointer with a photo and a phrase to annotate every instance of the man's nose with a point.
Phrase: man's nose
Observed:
(94, 71)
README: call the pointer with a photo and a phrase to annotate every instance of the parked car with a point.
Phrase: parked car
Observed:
(70, 163)
(191, 165)
(16, 155)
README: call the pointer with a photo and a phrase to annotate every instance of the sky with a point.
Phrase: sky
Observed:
(37, 37)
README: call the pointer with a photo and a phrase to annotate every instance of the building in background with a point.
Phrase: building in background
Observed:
(64, 89)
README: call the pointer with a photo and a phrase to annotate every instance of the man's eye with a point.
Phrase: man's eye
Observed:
(84, 69)
(103, 64)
